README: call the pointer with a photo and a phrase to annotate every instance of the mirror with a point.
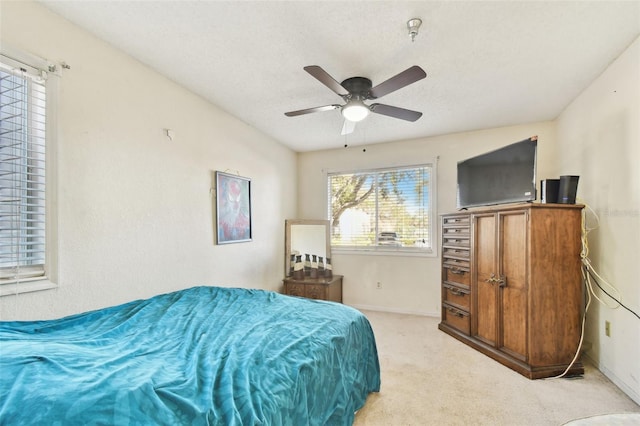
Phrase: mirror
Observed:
(305, 237)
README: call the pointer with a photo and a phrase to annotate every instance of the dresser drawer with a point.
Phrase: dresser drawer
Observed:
(456, 318)
(456, 296)
(455, 231)
(295, 289)
(455, 220)
(316, 291)
(456, 253)
(321, 288)
(456, 274)
(455, 263)
(455, 241)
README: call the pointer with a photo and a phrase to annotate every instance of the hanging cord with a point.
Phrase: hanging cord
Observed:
(593, 273)
(601, 283)
(584, 257)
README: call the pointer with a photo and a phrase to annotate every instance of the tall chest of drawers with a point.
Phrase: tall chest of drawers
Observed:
(512, 285)
(456, 271)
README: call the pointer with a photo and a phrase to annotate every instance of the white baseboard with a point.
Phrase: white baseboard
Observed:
(615, 380)
(394, 311)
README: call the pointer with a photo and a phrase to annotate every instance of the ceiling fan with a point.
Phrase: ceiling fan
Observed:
(355, 90)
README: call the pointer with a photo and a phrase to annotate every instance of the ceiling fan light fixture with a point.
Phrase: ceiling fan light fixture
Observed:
(360, 89)
(355, 110)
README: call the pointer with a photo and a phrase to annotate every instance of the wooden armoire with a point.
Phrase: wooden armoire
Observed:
(512, 285)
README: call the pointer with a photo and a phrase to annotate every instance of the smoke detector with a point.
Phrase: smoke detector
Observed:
(414, 26)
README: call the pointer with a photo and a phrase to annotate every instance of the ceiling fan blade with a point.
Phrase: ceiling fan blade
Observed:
(395, 112)
(310, 110)
(348, 127)
(323, 77)
(405, 78)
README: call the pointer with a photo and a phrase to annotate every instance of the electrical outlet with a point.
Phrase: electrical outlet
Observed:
(378, 284)
(607, 328)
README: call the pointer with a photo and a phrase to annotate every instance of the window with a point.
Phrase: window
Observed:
(23, 132)
(382, 210)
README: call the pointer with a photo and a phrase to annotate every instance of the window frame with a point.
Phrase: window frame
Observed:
(16, 58)
(384, 250)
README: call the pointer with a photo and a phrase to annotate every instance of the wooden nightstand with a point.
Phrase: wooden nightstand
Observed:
(315, 288)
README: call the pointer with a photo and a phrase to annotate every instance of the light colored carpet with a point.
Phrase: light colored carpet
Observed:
(608, 420)
(430, 378)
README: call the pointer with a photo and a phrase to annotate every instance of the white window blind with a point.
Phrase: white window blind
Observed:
(387, 209)
(22, 171)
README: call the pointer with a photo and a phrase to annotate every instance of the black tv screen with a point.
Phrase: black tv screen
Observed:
(506, 175)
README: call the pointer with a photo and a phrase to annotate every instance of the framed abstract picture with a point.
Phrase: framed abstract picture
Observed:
(233, 208)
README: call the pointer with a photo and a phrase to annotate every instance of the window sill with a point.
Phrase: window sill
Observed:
(13, 288)
(384, 252)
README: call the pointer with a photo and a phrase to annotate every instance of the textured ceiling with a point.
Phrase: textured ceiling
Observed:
(488, 64)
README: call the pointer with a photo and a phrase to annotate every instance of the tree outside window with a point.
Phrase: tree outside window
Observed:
(388, 209)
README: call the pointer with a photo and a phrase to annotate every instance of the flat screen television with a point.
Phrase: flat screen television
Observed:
(506, 175)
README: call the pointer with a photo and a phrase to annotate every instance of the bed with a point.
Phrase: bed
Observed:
(204, 355)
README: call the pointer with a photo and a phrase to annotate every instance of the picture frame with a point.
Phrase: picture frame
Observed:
(233, 208)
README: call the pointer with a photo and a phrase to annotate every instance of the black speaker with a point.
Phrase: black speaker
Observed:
(549, 190)
(567, 189)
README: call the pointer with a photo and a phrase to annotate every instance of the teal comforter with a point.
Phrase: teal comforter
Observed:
(205, 355)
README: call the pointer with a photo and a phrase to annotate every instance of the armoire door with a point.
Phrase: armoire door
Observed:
(485, 302)
(501, 281)
(512, 283)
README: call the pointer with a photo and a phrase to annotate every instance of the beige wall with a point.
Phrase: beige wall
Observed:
(409, 284)
(599, 139)
(135, 212)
